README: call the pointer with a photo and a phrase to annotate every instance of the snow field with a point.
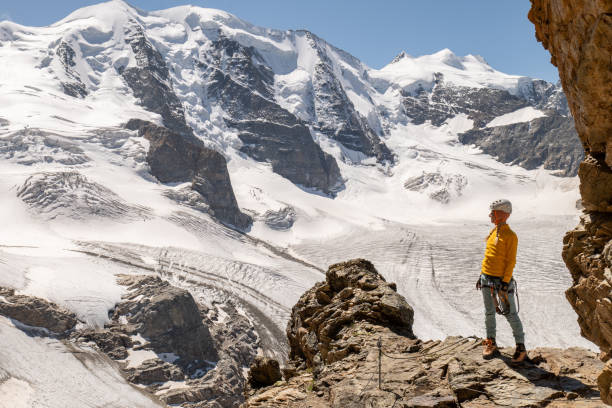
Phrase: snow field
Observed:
(522, 115)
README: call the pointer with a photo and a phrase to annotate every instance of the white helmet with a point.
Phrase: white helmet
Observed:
(501, 205)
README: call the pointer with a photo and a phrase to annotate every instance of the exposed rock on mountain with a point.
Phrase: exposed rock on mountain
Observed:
(75, 87)
(168, 317)
(35, 312)
(282, 219)
(335, 331)
(175, 157)
(577, 34)
(334, 113)
(241, 82)
(544, 95)
(174, 348)
(444, 101)
(549, 141)
(150, 82)
(175, 153)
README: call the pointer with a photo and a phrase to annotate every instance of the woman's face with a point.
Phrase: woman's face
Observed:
(497, 217)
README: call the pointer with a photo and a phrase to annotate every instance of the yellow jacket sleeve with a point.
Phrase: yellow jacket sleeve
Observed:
(512, 244)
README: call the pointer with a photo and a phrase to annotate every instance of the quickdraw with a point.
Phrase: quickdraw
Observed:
(502, 303)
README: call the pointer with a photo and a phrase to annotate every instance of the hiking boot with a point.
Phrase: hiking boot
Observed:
(490, 349)
(520, 354)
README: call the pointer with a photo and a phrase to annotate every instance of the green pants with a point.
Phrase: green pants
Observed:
(513, 318)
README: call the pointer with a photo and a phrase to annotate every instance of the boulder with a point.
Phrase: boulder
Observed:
(352, 292)
(263, 372)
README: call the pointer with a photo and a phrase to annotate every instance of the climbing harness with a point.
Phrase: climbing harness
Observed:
(501, 298)
(502, 301)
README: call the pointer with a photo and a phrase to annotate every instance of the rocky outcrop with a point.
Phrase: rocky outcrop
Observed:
(74, 86)
(577, 34)
(150, 82)
(352, 346)
(242, 84)
(353, 291)
(168, 317)
(548, 141)
(35, 312)
(280, 220)
(175, 157)
(333, 112)
(182, 352)
(587, 252)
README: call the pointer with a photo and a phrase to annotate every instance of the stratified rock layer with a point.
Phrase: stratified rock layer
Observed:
(578, 34)
(335, 331)
(35, 312)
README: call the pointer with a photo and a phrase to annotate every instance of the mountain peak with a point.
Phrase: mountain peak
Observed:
(400, 57)
(446, 56)
(111, 11)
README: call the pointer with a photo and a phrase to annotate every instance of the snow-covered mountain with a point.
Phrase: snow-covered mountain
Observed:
(237, 162)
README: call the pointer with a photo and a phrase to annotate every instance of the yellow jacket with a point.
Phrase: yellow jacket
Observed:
(500, 254)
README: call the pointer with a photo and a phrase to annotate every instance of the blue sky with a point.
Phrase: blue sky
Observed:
(373, 31)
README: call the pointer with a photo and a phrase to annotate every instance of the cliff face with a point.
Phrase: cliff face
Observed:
(578, 34)
(351, 345)
(175, 157)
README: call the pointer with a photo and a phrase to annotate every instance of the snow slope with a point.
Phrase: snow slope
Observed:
(518, 116)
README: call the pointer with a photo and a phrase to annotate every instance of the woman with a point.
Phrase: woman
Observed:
(496, 277)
